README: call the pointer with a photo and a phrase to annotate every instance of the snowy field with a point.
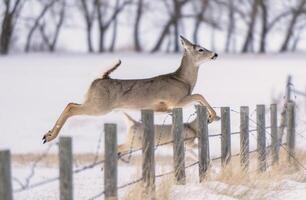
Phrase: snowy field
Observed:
(35, 89)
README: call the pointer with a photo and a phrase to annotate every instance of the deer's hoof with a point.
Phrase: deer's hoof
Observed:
(217, 118)
(212, 118)
(46, 137)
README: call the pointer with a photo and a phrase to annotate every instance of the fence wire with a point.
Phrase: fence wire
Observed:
(96, 162)
(33, 167)
(162, 130)
(130, 149)
(27, 183)
(166, 174)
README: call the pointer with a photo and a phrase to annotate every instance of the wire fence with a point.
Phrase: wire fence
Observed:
(171, 172)
(26, 185)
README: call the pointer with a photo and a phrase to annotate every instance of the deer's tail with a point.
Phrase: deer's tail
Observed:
(108, 72)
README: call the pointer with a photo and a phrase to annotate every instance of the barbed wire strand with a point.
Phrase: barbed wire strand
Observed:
(86, 167)
(130, 149)
(33, 168)
(164, 174)
(281, 145)
(98, 147)
(92, 165)
(162, 130)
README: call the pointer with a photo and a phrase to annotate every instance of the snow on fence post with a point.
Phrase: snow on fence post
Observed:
(5, 175)
(225, 136)
(110, 165)
(291, 130)
(148, 161)
(178, 146)
(274, 134)
(202, 132)
(65, 168)
(244, 137)
(261, 138)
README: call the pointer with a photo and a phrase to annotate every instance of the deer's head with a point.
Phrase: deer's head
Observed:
(197, 53)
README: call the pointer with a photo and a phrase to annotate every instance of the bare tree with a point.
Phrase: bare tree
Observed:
(251, 26)
(176, 19)
(268, 21)
(230, 25)
(261, 18)
(51, 39)
(114, 35)
(297, 36)
(139, 12)
(175, 14)
(103, 23)
(264, 25)
(238, 10)
(11, 13)
(296, 13)
(199, 7)
(162, 36)
(88, 11)
(37, 20)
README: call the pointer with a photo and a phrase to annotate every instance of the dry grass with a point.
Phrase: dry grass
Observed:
(51, 160)
(136, 192)
(230, 181)
(234, 182)
(255, 183)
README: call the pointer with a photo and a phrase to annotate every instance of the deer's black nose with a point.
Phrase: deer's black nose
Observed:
(214, 56)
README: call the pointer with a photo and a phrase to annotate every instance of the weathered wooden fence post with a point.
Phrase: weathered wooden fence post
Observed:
(274, 134)
(5, 175)
(244, 137)
(225, 136)
(65, 168)
(148, 160)
(110, 164)
(283, 119)
(202, 132)
(291, 131)
(261, 138)
(288, 89)
(178, 146)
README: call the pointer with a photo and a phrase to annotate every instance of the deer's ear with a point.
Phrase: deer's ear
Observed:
(186, 43)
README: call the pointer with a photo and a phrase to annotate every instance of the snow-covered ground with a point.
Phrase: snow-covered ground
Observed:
(282, 184)
(35, 88)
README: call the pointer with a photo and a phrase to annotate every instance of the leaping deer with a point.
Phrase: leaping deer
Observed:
(160, 93)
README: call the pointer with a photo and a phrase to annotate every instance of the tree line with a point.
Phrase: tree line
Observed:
(244, 25)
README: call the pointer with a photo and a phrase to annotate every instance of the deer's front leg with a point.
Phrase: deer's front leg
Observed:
(201, 100)
(70, 110)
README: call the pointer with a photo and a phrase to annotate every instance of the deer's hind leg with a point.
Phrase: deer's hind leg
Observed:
(71, 109)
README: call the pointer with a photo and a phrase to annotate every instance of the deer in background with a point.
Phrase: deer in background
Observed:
(163, 134)
(160, 93)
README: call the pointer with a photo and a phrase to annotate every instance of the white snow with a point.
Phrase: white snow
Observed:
(35, 88)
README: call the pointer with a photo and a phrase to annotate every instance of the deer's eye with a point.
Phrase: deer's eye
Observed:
(201, 50)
